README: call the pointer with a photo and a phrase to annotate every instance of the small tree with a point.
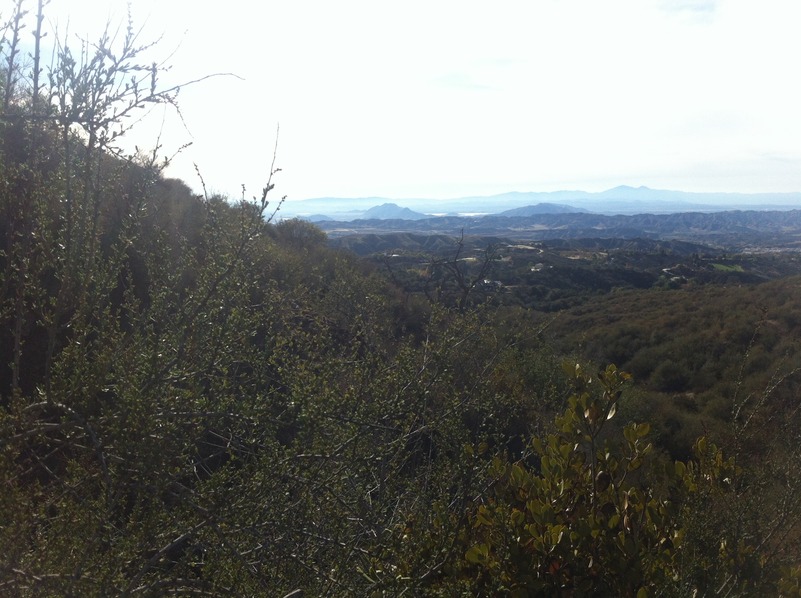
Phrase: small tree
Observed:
(455, 270)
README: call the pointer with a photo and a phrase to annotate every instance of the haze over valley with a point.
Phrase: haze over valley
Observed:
(619, 200)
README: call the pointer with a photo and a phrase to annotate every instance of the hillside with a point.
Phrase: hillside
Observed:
(696, 351)
(540, 208)
(199, 398)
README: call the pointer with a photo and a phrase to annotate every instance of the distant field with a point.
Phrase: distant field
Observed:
(728, 267)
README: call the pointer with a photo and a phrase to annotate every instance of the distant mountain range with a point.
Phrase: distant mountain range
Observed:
(620, 200)
(734, 229)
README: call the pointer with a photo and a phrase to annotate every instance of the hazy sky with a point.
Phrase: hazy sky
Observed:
(444, 98)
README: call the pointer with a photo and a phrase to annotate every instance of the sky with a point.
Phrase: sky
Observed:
(446, 98)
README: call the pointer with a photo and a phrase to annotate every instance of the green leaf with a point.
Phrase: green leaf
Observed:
(517, 517)
(571, 369)
(477, 554)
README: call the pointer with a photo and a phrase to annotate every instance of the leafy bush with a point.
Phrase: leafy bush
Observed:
(586, 516)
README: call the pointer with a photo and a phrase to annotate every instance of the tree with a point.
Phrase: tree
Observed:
(300, 234)
(454, 270)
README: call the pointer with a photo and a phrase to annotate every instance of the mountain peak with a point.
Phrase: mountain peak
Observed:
(391, 211)
(541, 208)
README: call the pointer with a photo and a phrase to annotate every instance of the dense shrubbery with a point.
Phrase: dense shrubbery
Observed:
(694, 349)
(194, 399)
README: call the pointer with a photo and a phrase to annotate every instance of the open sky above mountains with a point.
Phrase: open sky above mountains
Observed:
(454, 98)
